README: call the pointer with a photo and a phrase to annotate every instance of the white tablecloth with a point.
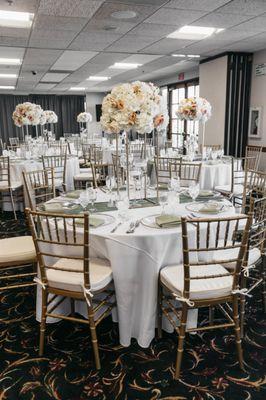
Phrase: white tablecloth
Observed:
(136, 260)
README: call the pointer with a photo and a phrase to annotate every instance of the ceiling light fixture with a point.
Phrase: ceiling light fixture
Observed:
(193, 56)
(127, 14)
(98, 78)
(191, 32)
(119, 65)
(8, 76)
(7, 87)
(8, 61)
(15, 19)
(77, 88)
(179, 55)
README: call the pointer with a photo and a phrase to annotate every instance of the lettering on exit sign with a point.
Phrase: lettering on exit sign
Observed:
(181, 76)
(260, 69)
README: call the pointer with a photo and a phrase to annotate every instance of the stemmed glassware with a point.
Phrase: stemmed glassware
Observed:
(84, 200)
(122, 205)
(110, 184)
(92, 196)
(193, 190)
(163, 198)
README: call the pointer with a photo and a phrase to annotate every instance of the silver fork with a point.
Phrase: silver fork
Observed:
(131, 227)
(135, 226)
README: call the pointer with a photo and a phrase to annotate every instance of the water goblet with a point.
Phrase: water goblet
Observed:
(193, 190)
(92, 195)
(163, 198)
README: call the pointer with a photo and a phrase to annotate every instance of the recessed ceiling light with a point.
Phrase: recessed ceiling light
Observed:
(124, 14)
(191, 32)
(77, 88)
(15, 19)
(98, 78)
(8, 61)
(193, 56)
(8, 76)
(119, 65)
(179, 55)
(7, 87)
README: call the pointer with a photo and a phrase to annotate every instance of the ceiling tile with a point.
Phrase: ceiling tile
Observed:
(256, 25)
(244, 7)
(153, 30)
(11, 52)
(169, 16)
(53, 77)
(107, 25)
(52, 34)
(69, 8)
(44, 86)
(41, 56)
(72, 60)
(143, 2)
(131, 43)
(59, 23)
(14, 32)
(166, 46)
(203, 5)
(22, 5)
(93, 41)
(219, 20)
(13, 41)
(55, 44)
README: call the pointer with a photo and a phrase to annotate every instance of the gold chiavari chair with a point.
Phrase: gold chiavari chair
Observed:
(60, 148)
(17, 262)
(239, 166)
(90, 173)
(163, 169)
(40, 186)
(2, 146)
(254, 151)
(66, 269)
(201, 281)
(254, 187)
(187, 172)
(13, 141)
(10, 191)
(136, 149)
(212, 147)
(58, 164)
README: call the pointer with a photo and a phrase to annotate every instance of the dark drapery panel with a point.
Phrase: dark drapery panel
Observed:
(66, 107)
(239, 69)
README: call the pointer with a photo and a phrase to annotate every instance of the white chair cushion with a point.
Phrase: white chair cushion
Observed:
(17, 249)
(223, 255)
(83, 177)
(100, 274)
(238, 189)
(14, 185)
(173, 278)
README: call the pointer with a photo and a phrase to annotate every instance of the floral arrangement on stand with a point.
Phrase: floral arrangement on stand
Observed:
(83, 118)
(51, 118)
(129, 106)
(26, 114)
(194, 109)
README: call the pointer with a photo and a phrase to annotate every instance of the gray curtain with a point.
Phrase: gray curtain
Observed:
(66, 107)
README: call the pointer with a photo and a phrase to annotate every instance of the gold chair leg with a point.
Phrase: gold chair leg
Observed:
(181, 340)
(242, 306)
(43, 321)
(263, 274)
(72, 305)
(13, 204)
(237, 332)
(159, 305)
(211, 315)
(94, 338)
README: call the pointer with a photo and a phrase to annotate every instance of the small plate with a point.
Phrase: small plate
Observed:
(150, 222)
(199, 208)
(108, 220)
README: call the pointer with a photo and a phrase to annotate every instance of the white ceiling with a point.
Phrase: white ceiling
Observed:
(73, 39)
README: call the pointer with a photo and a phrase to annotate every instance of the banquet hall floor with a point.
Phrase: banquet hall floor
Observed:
(66, 371)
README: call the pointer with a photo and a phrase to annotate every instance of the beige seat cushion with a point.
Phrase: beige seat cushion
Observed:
(17, 249)
(238, 189)
(173, 278)
(100, 274)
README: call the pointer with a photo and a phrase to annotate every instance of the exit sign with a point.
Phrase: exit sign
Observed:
(260, 69)
(181, 76)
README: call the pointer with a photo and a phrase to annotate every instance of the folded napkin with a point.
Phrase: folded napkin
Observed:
(205, 193)
(166, 221)
(93, 221)
(53, 207)
(211, 208)
(74, 194)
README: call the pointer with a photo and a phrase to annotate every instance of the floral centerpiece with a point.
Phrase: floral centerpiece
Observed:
(26, 114)
(51, 117)
(194, 109)
(84, 117)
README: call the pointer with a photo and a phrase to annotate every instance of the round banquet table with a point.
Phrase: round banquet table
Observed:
(136, 260)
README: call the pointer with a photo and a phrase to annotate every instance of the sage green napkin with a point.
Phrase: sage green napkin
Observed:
(93, 221)
(74, 194)
(205, 193)
(167, 221)
(53, 207)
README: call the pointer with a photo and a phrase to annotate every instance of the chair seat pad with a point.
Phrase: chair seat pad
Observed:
(238, 189)
(17, 249)
(227, 254)
(100, 274)
(14, 185)
(173, 278)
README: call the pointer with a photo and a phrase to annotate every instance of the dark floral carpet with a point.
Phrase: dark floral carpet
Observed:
(66, 371)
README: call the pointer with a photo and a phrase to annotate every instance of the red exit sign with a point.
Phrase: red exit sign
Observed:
(181, 76)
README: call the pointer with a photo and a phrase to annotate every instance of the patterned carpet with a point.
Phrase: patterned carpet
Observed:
(66, 372)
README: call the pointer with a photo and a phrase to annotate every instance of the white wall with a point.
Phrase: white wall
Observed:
(91, 100)
(258, 99)
(212, 82)
(190, 74)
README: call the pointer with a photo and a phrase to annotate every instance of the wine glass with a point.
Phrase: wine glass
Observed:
(163, 198)
(84, 200)
(92, 196)
(193, 190)
(122, 205)
(110, 184)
